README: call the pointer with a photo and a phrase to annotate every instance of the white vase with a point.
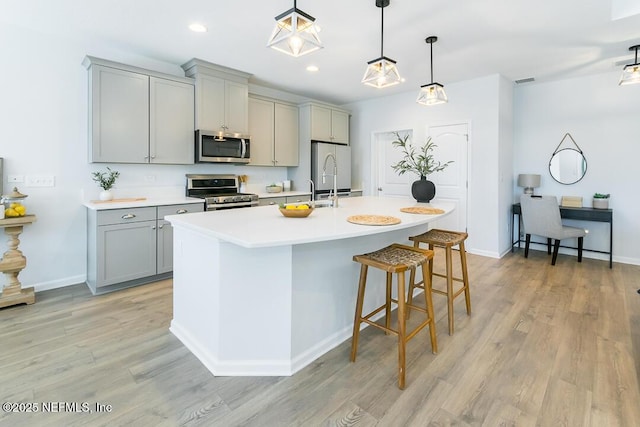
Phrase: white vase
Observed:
(600, 203)
(106, 195)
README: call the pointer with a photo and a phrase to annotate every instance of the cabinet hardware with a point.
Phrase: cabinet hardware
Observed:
(128, 216)
(181, 211)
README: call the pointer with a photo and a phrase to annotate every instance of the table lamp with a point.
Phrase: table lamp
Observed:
(529, 181)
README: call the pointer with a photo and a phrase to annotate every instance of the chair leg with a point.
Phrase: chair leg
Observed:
(580, 243)
(527, 240)
(548, 245)
(428, 299)
(358, 316)
(449, 288)
(387, 311)
(401, 331)
(465, 276)
(412, 286)
(556, 246)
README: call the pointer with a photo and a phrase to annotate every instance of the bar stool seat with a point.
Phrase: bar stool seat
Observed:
(398, 259)
(445, 239)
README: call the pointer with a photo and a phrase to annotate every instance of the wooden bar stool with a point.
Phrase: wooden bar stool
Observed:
(444, 239)
(395, 259)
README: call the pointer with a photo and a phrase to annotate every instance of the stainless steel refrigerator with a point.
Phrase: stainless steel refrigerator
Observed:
(322, 163)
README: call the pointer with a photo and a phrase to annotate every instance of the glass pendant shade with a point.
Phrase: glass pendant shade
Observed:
(631, 72)
(432, 94)
(381, 73)
(295, 33)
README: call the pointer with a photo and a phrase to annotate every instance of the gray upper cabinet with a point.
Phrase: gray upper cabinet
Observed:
(222, 97)
(273, 127)
(136, 117)
(328, 124)
(171, 121)
(119, 124)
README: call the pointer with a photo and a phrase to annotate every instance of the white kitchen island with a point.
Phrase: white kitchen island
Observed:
(256, 293)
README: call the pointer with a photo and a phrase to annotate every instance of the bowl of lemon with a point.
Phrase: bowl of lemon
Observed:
(296, 210)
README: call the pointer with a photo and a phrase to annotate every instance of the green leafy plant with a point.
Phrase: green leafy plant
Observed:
(601, 196)
(106, 179)
(417, 160)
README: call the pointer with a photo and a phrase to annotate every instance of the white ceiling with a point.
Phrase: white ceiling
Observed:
(547, 40)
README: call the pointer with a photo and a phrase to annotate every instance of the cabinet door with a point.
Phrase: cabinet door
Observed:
(286, 135)
(210, 99)
(236, 107)
(261, 119)
(126, 251)
(119, 116)
(165, 233)
(320, 123)
(339, 127)
(164, 262)
(171, 122)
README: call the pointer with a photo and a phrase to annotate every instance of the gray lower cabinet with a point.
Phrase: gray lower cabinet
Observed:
(265, 201)
(133, 246)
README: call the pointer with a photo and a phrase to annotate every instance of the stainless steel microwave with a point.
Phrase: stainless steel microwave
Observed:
(219, 147)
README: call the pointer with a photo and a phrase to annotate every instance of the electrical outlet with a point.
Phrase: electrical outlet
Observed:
(15, 178)
(40, 181)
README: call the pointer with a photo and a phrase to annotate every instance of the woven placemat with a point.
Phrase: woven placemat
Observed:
(422, 210)
(373, 220)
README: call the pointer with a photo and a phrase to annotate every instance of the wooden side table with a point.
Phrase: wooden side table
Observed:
(13, 262)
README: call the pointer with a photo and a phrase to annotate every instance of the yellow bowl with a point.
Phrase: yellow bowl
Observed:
(296, 213)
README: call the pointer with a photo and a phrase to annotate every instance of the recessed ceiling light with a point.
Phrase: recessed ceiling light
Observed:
(312, 68)
(198, 28)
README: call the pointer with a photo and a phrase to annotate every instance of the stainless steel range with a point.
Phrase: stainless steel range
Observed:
(219, 192)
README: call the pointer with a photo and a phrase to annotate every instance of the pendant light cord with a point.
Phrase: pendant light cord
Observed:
(382, 33)
(431, 62)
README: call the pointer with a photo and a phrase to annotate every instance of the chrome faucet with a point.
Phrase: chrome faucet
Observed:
(333, 200)
(313, 192)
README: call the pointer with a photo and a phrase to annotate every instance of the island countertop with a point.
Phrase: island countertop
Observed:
(265, 226)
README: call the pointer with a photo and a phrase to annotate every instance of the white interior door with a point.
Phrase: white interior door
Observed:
(389, 183)
(451, 184)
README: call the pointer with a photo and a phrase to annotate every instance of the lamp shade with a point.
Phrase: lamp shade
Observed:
(631, 72)
(529, 181)
(295, 33)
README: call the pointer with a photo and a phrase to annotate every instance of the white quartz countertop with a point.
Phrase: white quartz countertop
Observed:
(150, 201)
(265, 226)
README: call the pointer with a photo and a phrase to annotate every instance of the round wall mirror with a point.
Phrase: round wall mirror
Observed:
(568, 166)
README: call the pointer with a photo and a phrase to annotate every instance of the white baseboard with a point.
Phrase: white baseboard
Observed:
(59, 283)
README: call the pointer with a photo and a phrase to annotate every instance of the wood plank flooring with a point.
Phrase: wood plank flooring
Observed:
(544, 346)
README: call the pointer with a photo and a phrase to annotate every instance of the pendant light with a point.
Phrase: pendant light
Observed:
(631, 72)
(381, 72)
(295, 33)
(432, 93)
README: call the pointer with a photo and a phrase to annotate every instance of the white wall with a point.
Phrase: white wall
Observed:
(484, 103)
(604, 120)
(43, 131)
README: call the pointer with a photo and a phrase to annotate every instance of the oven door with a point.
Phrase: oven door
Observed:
(214, 147)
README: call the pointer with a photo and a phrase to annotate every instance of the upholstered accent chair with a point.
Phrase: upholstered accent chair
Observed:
(541, 217)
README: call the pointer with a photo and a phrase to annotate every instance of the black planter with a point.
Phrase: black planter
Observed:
(423, 190)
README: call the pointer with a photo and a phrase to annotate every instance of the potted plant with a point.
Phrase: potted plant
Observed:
(421, 162)
(601, 201)
(106, 180)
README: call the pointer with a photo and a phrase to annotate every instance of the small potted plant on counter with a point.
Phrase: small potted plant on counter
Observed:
(106, 180)
(601, 201)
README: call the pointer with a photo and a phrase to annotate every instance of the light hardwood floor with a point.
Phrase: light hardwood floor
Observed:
(544, 346)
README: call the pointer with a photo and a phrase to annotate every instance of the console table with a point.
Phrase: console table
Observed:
(583, 214)
(13, 262)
